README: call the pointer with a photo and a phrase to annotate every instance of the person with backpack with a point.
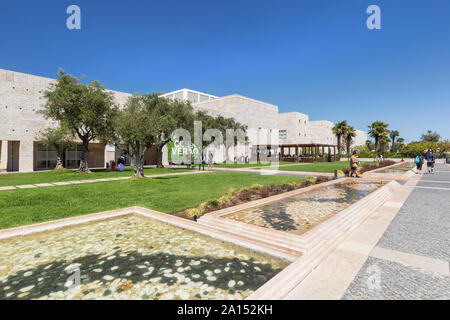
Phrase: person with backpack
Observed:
(419, 162)
(430, 161)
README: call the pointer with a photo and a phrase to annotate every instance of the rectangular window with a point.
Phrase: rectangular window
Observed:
(282, 134)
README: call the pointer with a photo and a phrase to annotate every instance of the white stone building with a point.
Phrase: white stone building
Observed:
(21, 97)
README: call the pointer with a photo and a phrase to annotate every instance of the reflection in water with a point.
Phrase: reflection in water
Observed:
(301, 213)
(398, 169)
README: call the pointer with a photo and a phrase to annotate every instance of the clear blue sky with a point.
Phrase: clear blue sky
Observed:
(315, 57)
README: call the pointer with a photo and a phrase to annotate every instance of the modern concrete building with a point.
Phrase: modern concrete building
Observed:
(21, 97)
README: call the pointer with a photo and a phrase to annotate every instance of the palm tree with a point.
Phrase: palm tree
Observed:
(340, 130)
(393, 134)
(377, 130)
(384, 144)
(430, 137)
(351, 133)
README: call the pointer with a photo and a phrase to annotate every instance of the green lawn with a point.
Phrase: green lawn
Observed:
(320, 166)
(15, 179)
(167, 194)
(246, 165)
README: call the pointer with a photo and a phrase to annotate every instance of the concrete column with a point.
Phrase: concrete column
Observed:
(4, 155)
(26, 156)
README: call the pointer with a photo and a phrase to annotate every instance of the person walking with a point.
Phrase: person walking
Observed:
(431, 159)
(202, 163)
(188, 159)
(354, 164)
(419, 162)
(210, 159)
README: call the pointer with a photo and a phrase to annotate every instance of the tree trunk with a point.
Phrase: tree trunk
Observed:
(393, 144)
(84, 166)
(376, 147)
(339, 147)
(160, 156)
(59, 162)
(59, 158)
(138, 165)
(348, 149)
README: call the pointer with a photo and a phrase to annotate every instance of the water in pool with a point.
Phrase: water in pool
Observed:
(301, 213)
(129, 258)
(398, 169)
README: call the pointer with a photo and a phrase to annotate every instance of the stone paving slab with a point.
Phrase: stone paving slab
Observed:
(26, 186)
(418, 228)
(65, 183)
(7, 188)
(437, 184)
(396, 282)
(44, 185)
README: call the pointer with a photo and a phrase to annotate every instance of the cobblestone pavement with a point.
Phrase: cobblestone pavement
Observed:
(420, 228)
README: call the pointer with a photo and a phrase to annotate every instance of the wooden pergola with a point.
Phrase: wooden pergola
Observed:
(312, 152)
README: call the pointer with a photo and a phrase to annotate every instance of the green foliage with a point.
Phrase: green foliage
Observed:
(430, 137)
(58, 139)
(85, 110)
(378, 130)
(256, 186)
(415, 148)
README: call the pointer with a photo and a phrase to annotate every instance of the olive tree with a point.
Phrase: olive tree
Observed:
(135, 127)
(59, 139)
(86, 110)
(169, 115)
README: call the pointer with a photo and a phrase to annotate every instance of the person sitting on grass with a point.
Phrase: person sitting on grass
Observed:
(354, 164)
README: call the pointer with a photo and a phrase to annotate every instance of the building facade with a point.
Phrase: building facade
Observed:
(21, 98)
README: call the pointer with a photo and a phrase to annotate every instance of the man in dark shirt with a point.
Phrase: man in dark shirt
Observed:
(430, 161)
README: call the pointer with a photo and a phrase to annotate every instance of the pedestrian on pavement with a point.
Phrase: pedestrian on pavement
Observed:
(431, 159)
(419, 162)
(354, 164)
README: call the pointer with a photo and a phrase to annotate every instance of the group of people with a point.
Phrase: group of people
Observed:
(429, 158)
(419, 161)
(201, 165)
(242, 159)
(119, 165)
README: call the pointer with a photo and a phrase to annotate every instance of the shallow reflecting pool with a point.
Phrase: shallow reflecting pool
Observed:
(398, 169)
(303, 212)
(129, 257)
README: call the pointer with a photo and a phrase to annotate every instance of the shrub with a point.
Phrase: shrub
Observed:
(264, 192)
(321, 179)
(308, 183)
(311, 179)
(256, 186)
(225, 199)
(245, 195)
(213, 203)
(193, 212)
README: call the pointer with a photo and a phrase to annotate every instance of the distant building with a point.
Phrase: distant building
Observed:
(21, 96)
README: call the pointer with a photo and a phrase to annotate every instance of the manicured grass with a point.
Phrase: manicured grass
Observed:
(167, 194)
(246, 165)
(320, 166)
(15, 179)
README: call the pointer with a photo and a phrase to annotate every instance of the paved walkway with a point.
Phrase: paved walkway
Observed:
(411, 259)
(65, 183)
